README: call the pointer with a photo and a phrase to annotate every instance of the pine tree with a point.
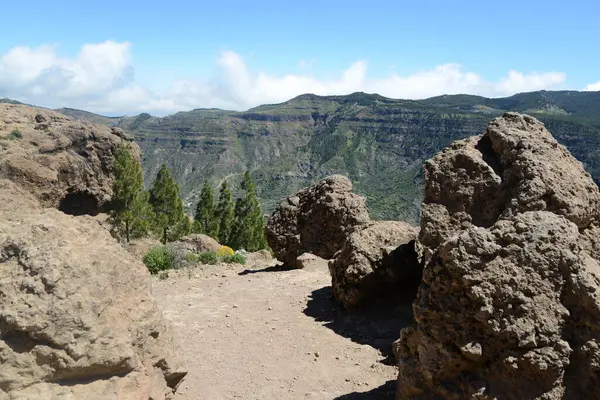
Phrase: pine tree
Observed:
(182, 228)
(167, 205)
(249, 228)
(225, 214)
(131, 214)
(205, 218)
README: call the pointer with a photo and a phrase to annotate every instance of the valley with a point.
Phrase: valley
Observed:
(380, 143)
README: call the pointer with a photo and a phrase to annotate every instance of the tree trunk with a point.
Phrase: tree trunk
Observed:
(165, 235)
(127, 231)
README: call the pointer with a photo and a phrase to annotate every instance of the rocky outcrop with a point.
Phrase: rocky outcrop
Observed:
(77, 319)
(66, 164)
(376, 260)
(197, 243)
(509, 305)
(75, 322)
(367, 259)
(316, 220)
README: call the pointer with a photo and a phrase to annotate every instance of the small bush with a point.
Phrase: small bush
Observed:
(159, 259)
(225, 251)
(15, 134)
(210, 257)
(234, 259)
(191, 258)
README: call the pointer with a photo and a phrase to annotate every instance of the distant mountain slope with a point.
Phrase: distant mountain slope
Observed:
(9, 101)
(90, 117)
(380, 143)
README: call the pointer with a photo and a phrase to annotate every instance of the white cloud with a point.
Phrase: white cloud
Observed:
(101, 79)
(593, 87)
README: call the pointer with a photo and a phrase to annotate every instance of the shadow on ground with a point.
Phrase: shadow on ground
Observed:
(273, 268)
(385, 391)
(377, 325)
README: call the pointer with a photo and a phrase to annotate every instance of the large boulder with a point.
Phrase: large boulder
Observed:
(316, 220)
(376, 260)
(509, 306)
(66, 164)
(74, 322)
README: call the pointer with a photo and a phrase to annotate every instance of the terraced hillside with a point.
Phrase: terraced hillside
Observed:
(380, 143)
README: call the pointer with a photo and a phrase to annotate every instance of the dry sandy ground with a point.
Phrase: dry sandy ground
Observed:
(262, 333)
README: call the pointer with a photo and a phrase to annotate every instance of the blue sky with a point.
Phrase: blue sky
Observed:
(132, 56)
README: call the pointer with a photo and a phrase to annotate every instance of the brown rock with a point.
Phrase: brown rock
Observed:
(316, 220)
(516, 166)
(378, 259)
(77, 319)
(66, 164)
(197, 243)
(509, 306)
(310, 261)
(140, 247)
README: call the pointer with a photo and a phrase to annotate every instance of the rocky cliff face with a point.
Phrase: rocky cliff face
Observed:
(509, 306)
(74, 323)
(379, 143)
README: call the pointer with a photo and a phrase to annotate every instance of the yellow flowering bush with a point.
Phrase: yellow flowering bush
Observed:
(225, 251)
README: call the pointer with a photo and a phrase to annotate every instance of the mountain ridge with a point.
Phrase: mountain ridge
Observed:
(380, 143)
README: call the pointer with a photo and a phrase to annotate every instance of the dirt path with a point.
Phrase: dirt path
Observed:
(266, 334)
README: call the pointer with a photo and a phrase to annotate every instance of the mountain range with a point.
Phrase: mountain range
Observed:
(380, 143)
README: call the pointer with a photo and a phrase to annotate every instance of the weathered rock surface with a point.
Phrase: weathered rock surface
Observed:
(66, 164)
(77, 315)
(316, 220)
(375, 260)
(141, 246)
(310, 261)
(197, 243)
(77, 319)
(509, 307)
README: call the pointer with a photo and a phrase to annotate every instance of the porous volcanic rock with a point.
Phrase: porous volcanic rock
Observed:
(77, 319)
(509, 306)
(316, 220)
(66, 164)
(77, 314)
(376, 260)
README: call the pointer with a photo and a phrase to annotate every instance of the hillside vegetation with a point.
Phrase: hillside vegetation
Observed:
(380, 143)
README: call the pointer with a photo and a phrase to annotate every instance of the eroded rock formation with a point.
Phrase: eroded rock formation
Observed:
(316, 220)
(509, 307)
(367, 259)
(66, 164)
(377, 259)
(77, 319)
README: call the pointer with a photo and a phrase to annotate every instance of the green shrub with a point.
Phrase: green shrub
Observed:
(15, 134)
(159, 259)
(210, 257)
(191, 258)
(234, 259)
